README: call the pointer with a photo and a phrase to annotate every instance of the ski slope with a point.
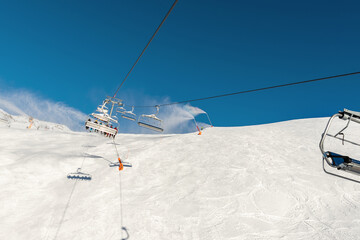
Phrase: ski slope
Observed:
(254, 182)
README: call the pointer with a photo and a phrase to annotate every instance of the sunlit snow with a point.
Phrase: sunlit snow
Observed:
(255, 182)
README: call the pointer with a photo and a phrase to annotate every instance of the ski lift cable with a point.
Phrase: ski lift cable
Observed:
(117, 153)
(69, 200)
(65, 210)
(121, 205)
(156, 31)
(120, 195)
(251, 90)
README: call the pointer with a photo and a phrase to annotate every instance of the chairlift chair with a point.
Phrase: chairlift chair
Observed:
(130, 115)
(105, 117)
(93, 124)
(121, 109)
(102, 120)
(102, 109)
(337, 160)
(151, 121)
(117, 164)
(79, 175)
(103, 113)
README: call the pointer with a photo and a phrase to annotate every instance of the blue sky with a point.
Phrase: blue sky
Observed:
(78, 52)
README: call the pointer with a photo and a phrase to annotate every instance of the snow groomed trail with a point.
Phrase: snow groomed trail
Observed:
(256, 182)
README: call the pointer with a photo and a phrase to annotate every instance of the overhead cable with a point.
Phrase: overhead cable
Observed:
(252, 90)
(146, 46)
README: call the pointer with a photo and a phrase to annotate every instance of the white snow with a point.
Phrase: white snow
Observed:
(255, 182)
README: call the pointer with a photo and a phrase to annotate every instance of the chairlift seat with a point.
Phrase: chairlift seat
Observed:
(121, 109)
(128, 116)
(104, 117)
(117, 164)
(146, 125)
(101, 127)
(79, 175)
(151, 122)
(339, 161)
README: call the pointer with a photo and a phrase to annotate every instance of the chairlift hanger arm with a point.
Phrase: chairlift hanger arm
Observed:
(321, 144)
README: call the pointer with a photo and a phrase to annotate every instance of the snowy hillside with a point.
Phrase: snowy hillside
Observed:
(256, 182)
(22, 122)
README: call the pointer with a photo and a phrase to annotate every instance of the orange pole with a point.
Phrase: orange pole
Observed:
(121, 167)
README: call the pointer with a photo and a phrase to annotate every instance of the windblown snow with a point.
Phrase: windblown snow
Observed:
(256, 182)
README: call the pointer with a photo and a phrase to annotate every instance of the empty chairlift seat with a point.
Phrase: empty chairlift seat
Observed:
(129, 115)
(151, 121)
(79, 175)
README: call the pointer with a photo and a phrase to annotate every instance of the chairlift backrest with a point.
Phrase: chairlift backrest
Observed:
(350, 115)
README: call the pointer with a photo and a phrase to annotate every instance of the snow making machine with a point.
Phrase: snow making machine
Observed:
(151, 121)
(79, 175)
(102, 120)
(336, 160)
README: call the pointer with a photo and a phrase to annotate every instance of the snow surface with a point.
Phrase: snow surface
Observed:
(256, 182)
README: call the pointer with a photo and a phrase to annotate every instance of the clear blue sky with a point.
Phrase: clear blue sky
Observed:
(78, 52)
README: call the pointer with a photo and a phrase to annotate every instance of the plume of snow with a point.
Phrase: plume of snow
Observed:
(26, 103)
(193, 110)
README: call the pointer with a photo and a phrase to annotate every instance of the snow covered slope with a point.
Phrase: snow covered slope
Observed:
(22, 122)
(257, 182)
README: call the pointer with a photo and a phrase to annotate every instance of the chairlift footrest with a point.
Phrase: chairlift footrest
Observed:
(340, 161)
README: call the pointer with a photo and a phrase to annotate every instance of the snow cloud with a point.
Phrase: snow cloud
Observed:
(176, 118)
(26, 103)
